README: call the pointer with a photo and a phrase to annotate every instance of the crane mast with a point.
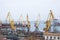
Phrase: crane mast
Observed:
(48, 22)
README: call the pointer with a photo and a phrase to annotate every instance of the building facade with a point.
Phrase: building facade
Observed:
(51, 36)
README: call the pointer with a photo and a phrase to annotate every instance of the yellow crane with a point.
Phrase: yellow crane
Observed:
(28, 23)
(11, 21)
(48, 22)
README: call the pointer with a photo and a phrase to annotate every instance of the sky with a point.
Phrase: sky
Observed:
(30, 7)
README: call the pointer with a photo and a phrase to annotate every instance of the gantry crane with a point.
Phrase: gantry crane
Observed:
(11, 21)
(28, 23)
(48, 22)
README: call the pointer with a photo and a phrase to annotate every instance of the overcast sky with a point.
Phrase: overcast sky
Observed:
(30, 7)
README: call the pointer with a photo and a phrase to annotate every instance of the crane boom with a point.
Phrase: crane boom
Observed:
(11, 21)
(37, 21)
(48, 22)
(51, 15)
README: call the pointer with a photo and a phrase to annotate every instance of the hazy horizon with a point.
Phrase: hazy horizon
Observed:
(30, 7)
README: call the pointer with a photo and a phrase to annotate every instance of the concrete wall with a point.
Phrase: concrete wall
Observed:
(32, 38)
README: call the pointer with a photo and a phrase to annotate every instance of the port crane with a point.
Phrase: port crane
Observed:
(13, 34)
(21, 19)
(11, 21)
(28, 23)
(48, 22)
(37, 22)
(22, 23)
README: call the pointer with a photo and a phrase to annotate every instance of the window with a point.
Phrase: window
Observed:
(50, 37)
(54, 37)
(47, 37)
(58, 37)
